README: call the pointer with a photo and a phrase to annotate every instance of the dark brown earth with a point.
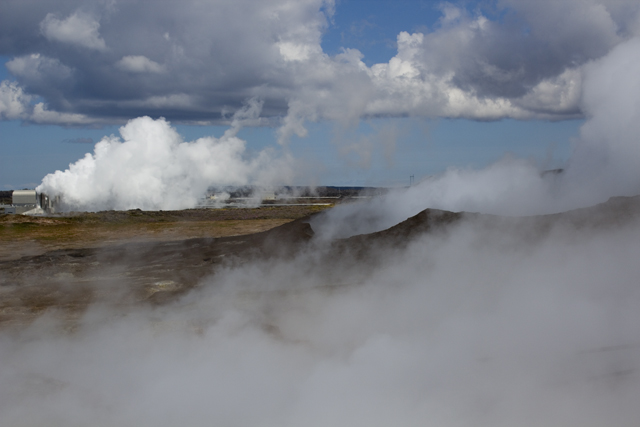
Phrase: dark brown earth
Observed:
(148, 271)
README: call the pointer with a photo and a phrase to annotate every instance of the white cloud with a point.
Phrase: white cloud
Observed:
(177, 100)
(559, 95)
(467, 65)
(139, 64)
(77, 29)
(291, 51)
(14, 103)
(448, 72)
(35, 69)
(42, 115)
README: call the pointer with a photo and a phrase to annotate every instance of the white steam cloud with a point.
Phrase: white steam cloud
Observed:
(152, 168)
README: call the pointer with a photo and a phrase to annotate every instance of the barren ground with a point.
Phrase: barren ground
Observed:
(67, 262)
(30, 236)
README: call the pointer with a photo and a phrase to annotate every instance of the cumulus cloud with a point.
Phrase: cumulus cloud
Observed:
(518, 60)
(470, 66)
(41, 115)
(78, 29)
(36, 70)
(139, 64)
(14, 103)
(45, 77)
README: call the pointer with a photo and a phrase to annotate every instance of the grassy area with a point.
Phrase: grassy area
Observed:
(22, 235)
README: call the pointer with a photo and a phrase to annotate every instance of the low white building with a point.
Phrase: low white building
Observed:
(29, 202)
(24, 198)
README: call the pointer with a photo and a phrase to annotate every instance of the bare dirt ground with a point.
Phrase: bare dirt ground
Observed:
(67, 262)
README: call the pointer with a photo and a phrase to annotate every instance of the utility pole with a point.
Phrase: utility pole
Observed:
(411, 181)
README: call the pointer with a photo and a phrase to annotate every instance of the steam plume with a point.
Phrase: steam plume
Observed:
(152, 168)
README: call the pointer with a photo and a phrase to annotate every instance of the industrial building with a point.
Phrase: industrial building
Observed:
(28, 202)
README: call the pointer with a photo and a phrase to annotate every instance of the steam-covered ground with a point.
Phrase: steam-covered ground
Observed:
(443, 319)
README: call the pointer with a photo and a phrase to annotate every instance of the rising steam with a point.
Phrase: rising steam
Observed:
(605, 163)
(476, 327)
(152, 168)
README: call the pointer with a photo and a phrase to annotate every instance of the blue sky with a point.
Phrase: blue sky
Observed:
(424, 147)
(457, 84)
(372, 26)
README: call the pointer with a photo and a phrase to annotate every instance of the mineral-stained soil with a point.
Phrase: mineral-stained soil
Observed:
(155, 257)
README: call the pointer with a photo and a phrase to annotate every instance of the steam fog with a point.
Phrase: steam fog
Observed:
(474, 327)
